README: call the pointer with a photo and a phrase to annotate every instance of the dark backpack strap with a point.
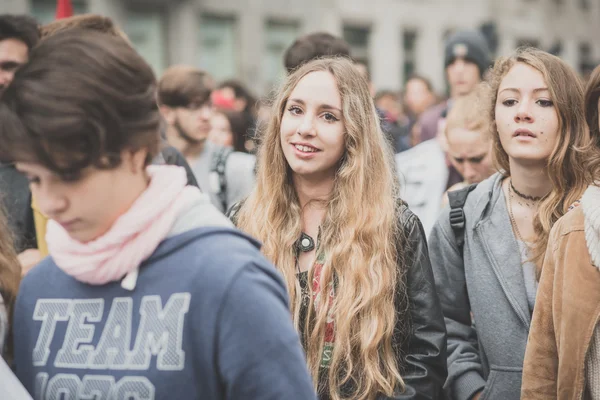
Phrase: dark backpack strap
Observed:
(457, 200)
(218, 179)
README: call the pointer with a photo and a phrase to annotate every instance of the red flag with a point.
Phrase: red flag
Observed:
(64, 9)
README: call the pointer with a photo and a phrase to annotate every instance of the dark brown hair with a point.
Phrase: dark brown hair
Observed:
(421, 78)
(240, 91)
(592, 94)
(313, 46)
(239, 125)
(82, 98)
(93, 22)
(20, 27)
(182, 85)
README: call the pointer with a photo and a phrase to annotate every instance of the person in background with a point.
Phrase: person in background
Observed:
(468, 141)
(396, 128)
(424, 170)
(183, 306)
(168, 154)
(562, 360)
(184, 98)
(389, 103)
(242, 101)
(18, 35)
(354, 257)
(486, 260)
(229, 128)
(418, 97)
(423, 176)
(314, 45)
(466, 59)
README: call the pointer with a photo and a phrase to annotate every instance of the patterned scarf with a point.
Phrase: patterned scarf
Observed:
(132, 238)
(317, 301)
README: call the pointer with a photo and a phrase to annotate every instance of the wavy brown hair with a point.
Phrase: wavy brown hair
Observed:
(565, 165)
(360, 235)
(592, 94)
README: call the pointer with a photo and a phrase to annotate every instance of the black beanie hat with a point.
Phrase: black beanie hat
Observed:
(470, 45)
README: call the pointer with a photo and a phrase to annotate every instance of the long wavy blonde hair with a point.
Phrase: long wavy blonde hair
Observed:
(360, 235)
(566, 168)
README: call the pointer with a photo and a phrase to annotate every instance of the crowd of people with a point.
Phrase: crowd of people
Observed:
(175, 237)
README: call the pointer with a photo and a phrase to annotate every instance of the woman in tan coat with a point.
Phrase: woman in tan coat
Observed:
(562, 360)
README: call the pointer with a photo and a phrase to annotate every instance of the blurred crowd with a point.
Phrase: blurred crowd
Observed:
(178, 237)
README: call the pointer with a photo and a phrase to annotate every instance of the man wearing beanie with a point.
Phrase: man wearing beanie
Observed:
(424, 171)
(466, 58)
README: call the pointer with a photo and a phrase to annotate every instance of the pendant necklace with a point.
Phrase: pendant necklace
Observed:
(305, 243)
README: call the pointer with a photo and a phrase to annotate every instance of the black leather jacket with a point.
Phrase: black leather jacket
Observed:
(422, 351)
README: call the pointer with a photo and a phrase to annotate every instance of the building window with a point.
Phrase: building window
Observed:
(147, 32)
(44, 11)
(278, 36)
(358, 39)
(218, 46)
(584, 4)
(409, 40)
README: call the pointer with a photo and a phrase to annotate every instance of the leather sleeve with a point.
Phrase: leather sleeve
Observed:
(424, 350)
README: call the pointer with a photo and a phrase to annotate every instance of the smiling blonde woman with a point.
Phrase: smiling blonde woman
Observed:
(354, 257)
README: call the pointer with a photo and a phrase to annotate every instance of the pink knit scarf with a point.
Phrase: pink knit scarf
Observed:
(132, 238)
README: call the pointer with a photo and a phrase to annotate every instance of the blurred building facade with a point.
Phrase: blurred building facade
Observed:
(395, 38)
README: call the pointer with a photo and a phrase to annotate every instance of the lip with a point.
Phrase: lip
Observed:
(68, 225)
(303, 154)
(523, 133)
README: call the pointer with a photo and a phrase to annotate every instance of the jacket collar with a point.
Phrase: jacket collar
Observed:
(488, 193)
(493, 227)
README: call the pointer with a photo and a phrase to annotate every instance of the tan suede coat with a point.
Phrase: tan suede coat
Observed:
(566, 312)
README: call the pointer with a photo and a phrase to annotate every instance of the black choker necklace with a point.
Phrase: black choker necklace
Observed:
(524, 196)
(305, 243)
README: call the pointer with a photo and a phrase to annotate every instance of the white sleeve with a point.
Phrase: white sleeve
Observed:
(240, 176)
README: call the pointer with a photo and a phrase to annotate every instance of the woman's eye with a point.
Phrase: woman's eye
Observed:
(330, 117)
(545, 103)
(295, 110)
(509, 102)
(33, 180)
